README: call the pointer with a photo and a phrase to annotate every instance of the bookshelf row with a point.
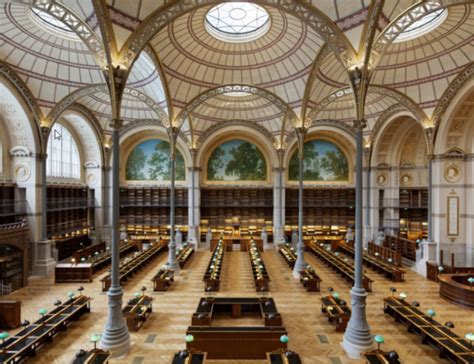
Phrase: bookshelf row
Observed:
(414, 198)
(318, 197)
(321, 216)
(237, 197)
(152, 196)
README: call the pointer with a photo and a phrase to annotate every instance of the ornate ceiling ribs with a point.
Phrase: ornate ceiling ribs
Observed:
(222, 90)
(156, 21)
(464, 78)
(15, 80)
(102, 88)
(159, 67)
(402, 100)
(404, 20)
(75, 23)
(218, 126)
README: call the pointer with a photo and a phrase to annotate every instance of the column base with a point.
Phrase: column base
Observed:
(116, 338)
(193, 236)
(357, 338)
(354, 351)
(428, 255)
(172, 261)
(44, 263)
(299, 266)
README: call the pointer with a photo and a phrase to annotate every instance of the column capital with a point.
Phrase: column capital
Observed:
(359, 124)
(116, 124)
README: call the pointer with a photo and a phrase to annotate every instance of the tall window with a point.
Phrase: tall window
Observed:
(63, 155)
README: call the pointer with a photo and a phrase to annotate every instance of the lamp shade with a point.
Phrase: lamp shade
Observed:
(189, 338)
(403, 295)
(431, 313)
(440, 268)
(42, 311)
(4, 335)
(335, 295)
(70, 294)
(470, 280)
(95, 338)
(284, 339)
(469, 336)
(379, 339)
(136, 294)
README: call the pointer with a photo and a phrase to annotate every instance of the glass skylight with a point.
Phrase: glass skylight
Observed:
(237, 21)
(421, 26)
(51, 22)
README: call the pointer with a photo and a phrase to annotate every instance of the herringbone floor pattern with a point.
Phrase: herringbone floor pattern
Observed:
(310, 333)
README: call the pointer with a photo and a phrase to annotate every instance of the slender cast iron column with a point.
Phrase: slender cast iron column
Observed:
(430, 198)
(172, 261)
(357, 338)
(44, 201)
(116, 338)
(300, 264)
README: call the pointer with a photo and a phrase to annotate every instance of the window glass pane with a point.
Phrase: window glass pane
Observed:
(63, 154)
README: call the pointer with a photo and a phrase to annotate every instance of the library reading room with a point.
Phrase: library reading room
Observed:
(237, 182)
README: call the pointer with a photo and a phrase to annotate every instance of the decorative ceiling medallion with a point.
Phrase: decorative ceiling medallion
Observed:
(452, 172)
(237, 22)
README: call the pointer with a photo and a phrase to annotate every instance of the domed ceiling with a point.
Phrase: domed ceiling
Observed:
(289, 61)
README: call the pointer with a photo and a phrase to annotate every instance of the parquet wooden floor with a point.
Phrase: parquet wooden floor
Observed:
(310, 333)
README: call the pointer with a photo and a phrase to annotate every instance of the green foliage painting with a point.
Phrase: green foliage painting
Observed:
(323, 161)
(150, 161)
(236, 160)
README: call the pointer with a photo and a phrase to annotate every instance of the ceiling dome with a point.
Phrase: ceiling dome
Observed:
(194, 60)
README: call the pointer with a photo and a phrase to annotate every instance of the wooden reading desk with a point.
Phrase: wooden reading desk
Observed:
(242, 241)
(337, 313)
(259, 271)
(283, 357)
(25, 343)
(345, 269)
(136, 312)
(129, 268)
(184, 255)
(163, 279)
(379, 357)
(193, 357)
(236, 307)
(95, 356)
(212, 277)
(450, 345)
(308, 276)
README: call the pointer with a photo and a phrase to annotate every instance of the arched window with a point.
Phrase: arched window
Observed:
(63, 155)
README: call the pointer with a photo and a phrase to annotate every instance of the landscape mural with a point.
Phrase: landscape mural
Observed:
(323, 161)
(236, 160)
(150, 161)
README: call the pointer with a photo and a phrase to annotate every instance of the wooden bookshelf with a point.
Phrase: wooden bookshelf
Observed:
(242, 211)
(147, 209)
(323, 209)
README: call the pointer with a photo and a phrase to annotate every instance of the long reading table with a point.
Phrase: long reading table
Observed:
(344, 268)
(26, 342)
(129, 268)
(451, 346)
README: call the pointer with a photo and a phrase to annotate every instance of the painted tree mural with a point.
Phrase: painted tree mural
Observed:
(236, 160)
(150, 161)
(323, 161)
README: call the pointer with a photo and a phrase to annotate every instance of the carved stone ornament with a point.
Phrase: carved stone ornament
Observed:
(406, 180)
(91, 179)
(382, 179)
(91, 165)
(22, 172)
(20, 151)
(452, 172)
